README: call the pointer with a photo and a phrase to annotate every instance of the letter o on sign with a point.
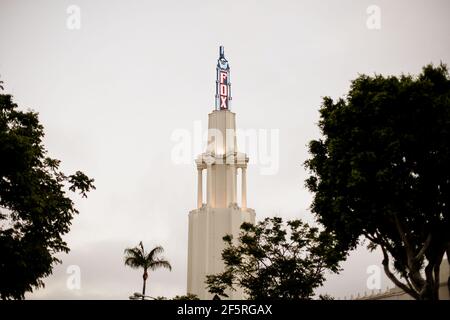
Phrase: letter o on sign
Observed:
(223, 90)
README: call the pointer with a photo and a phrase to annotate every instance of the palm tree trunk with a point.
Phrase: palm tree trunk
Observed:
(143, 290)
(144, 277)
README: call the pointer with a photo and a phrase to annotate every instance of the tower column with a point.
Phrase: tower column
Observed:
(209, 184)
(244, 188)
(233, 183)
(200, 187)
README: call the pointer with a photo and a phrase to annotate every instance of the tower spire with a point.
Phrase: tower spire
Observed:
(223, 83)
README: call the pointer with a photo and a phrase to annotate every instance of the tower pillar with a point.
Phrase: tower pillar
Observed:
(244, 188)
(199, 187)
(209, 186)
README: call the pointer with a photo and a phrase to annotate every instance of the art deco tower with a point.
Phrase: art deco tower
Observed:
(221, 214)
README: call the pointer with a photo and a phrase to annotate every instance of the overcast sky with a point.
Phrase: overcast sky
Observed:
(112, 93)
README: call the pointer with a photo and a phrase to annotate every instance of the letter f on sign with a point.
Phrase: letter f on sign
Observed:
(223, 76)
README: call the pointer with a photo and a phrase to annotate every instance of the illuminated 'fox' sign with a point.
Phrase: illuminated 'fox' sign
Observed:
(223, 90)
(223, 84)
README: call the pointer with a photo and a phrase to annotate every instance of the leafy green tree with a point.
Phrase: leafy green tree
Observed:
(382, 171)
(34, 208)
(270, 262)
(137, 258)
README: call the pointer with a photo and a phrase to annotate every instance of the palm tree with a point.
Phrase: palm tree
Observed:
(137, 257)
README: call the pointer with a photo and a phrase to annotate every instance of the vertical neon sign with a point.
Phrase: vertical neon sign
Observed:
(223, 84)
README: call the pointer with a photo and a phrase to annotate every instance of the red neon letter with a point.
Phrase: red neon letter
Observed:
(223, 102)
(223, 76)
(223, 90)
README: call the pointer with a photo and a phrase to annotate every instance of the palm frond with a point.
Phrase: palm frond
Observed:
(134, 257)
(154, 252)
(160, 263)
(133, 252)
(141, 248)
(132, 262)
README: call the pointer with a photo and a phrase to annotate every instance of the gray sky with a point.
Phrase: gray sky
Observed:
(111, 94)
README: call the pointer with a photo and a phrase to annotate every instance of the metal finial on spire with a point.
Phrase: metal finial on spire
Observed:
(221, 52)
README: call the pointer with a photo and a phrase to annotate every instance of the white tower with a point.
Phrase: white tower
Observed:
(220, 215)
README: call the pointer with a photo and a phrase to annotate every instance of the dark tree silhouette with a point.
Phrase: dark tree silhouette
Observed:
(34, 209)
(382, 171)
(270, 262)
(137, 257)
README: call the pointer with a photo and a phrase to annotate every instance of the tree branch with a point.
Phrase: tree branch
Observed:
(384, 244)
(425, 246)
(394, 279)
(409, 251)
(413, 265)
(437, 279)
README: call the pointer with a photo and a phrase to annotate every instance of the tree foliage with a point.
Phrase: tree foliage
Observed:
(189, 296)
(269, 261)
(35, 210)
(382, 171)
